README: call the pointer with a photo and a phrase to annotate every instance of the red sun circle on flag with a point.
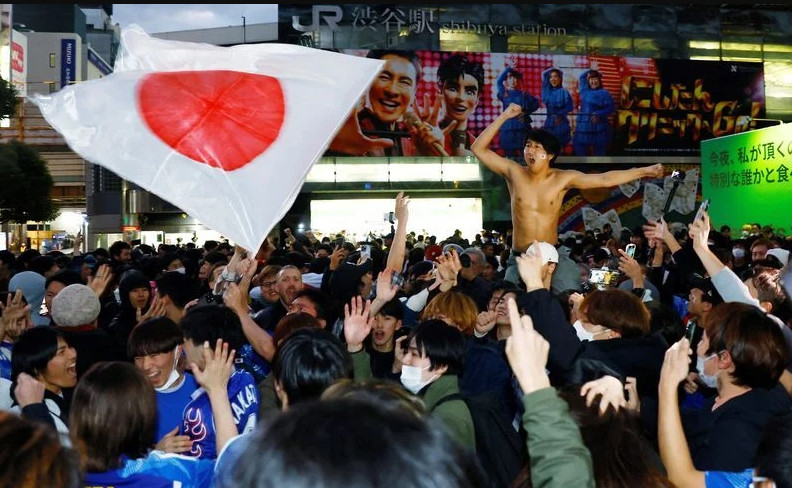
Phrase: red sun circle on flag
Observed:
(221, 118)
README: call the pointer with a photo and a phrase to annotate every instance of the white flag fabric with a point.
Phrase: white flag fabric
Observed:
(227, 134)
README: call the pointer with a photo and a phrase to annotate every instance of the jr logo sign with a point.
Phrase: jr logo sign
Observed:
(331, 14)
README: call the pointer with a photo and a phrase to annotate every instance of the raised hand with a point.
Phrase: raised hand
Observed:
(630, 266)
(610, 388)
(699, 231)
(676, 364)
(575, 299)
(513, 110)
(631, 389)
(16, 315)
(100, 280)
(28, 390)
(485, 322)
(357, 325)
(656, 230)
(448, 266)
(527, 351)
(338, 257)
(158, 308)
(529, 265)
(235, 299)
(247, 268)
(398, 354)
(654, 171)
(401, 211)
(218, 366)
(385, 290)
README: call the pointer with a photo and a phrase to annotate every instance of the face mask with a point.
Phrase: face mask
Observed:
(174, 374)
(411, 378)
(581, 331)
(738, 252)
(709, 380)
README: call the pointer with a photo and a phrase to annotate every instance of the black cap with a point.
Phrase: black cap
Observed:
(420, 268)
(709, 292)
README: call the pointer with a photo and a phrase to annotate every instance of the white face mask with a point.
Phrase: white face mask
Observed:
(738, 252)
(581, 331)
(411, 378)
(709, 380)
(174, 374)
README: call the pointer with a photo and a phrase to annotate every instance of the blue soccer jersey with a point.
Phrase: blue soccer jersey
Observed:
(198, 422)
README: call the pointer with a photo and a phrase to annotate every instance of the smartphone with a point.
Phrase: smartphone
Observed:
(603, 278)
(702, 208)
(365, 251)
(629, 249)
(690, 332)
(339, 242)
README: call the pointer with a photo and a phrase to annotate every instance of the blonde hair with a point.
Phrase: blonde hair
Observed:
(455, 308)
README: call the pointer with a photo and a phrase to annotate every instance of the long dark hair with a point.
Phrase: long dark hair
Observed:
(620, 454)
(113, 414)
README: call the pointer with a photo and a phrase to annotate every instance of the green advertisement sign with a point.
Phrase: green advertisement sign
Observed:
(746, 177)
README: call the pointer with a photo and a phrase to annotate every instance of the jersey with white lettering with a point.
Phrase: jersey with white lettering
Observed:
(198, 422)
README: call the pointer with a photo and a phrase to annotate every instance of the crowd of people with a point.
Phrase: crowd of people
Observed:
(402, 359)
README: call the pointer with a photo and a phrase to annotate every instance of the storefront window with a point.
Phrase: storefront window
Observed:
(562, 44)
(609, 46)
(464, 41)
(523, 43)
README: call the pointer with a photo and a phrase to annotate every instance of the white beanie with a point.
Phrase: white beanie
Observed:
(74, 306)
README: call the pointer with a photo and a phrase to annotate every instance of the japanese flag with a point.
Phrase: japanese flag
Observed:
(227, 134)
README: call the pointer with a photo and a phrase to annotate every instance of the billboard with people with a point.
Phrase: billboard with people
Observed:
(428, 103)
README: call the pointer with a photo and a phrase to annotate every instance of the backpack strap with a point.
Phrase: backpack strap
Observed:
(448, 398)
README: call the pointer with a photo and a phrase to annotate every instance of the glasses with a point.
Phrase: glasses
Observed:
(268, 284)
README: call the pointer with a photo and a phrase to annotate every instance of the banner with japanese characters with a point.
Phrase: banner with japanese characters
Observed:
(428, 103)
(746, 177)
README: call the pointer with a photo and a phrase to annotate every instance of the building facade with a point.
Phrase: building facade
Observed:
(671, 55)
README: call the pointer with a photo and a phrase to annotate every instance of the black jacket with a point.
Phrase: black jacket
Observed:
(726, 439)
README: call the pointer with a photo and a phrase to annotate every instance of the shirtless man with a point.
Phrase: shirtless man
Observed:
(537, 190)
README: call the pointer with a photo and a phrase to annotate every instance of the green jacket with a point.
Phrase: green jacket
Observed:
(559, 458)
(454, 413)
(269, 400)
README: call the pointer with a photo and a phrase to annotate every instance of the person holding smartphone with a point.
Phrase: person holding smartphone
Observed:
(703, 297)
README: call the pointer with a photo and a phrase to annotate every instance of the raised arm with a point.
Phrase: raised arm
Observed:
(397, 250)
(558, 454)
(584, 181)
(674, 449)
(236, 299)
(492, 160)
